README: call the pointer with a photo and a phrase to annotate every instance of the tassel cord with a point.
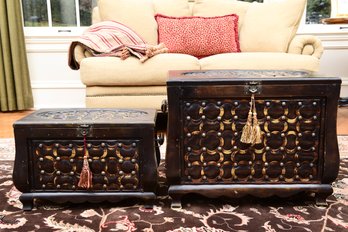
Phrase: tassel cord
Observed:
(256, 134)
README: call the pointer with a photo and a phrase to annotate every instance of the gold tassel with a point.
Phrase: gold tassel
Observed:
(256, 131)
(86, 174)
(256, 134)
(247, 129)
(251, 132)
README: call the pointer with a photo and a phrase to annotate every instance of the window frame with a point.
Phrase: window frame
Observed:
(50, 31)
(318, 29)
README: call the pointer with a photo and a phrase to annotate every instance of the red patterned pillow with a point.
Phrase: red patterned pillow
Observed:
(199, 36)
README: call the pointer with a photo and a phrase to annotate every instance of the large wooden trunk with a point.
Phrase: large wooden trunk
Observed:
(51, 145)
(208, 111)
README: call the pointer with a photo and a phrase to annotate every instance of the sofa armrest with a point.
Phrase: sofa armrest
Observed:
(306, 45)
(77, 53)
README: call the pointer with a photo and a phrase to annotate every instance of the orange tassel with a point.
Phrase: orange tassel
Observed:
(86, 174)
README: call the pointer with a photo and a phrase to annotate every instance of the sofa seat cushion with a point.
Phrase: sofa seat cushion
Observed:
(112, 71)
(261, 60)
(126, 96)
(126, 90)
(126, 101)
(150, 102)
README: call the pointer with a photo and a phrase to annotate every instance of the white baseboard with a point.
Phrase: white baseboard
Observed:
(58, 94)
(344, 87)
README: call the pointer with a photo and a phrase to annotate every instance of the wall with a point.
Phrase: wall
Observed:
(56, 85)
(335, 57)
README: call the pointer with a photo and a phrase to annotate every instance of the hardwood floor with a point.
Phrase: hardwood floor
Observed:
(7, 119)
(342, 121)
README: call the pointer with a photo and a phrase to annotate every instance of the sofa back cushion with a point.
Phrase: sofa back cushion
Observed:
(136, 14)
(221, 7)
(270, 26)
(172, 7)
(95, 15)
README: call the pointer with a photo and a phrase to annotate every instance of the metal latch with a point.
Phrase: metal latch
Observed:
(253, 87)
(84, 130)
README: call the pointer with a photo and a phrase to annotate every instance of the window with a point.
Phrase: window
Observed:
(317, 10)
(68, 16)
(35, 13)
(339, 8)
(57, 15)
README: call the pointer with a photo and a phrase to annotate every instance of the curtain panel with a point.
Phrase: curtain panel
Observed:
(15, 87)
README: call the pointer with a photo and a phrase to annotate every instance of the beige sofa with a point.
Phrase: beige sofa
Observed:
(267, 36)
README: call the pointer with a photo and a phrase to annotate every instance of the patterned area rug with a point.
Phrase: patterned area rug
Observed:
(298, 213)
(7, 149)
(343, 146)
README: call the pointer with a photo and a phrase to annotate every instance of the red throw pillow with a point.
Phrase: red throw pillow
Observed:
(199, 36)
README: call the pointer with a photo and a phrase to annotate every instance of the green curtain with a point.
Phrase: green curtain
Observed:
(15, 88)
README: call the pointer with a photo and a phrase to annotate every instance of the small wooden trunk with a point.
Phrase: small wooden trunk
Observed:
(208, 111)
(119, 143)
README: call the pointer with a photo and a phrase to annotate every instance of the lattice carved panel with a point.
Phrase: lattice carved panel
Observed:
(288, 153)
(114, 164)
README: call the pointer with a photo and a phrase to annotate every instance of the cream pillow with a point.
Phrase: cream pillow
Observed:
(172, 7)
(270, 26)
(210, 8)
(135, 14)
